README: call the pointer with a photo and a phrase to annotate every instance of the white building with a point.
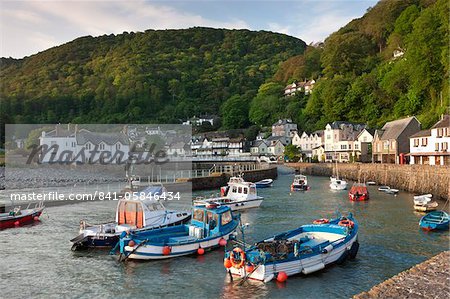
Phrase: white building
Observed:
(276, 148)
(340, 138)
(284, 128)
(431, 146)
(198, 121)
(306, 142)
(236, 146)
(83, 146)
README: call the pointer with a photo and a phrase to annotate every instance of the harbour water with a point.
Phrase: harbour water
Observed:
(37, 261)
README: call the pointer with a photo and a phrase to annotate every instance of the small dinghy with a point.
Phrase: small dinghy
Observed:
(210, 227)
(437, 220)
(238, 195)
(388, 190)
(371, 183)
(300, 183)
(306, 249)
(421, 200)
(426, 207)
(18, 217)
(141, 213)
(358, 192)
(264, 183)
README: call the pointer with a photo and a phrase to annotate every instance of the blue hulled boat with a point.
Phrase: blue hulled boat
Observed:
(210, 226)
(266, 183)
(437, 220)
(306, 249)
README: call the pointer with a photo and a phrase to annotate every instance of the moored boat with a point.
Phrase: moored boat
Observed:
(358, 192)
(422, 199)
(388, 190)
(238, 195)
(337, 184)
(18, 217)
(436, 220)
(264, 183)
(426, 207)
(210, 227)
(140, 212)
(306, 249)
(300, 183)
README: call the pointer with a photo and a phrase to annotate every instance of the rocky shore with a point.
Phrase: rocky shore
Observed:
(430, 279)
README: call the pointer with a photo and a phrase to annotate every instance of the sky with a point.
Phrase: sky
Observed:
(30, 26)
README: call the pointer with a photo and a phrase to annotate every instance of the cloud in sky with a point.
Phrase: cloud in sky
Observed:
(27, 27)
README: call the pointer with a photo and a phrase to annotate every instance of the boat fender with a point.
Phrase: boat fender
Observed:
(313, 268)
(327, 249)
(269, 278)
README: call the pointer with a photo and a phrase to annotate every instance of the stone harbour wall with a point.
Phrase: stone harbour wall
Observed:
(430, 279)
(214, 182)
(419, 179)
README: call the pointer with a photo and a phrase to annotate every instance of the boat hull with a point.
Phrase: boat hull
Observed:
(354, 197)
(155, 252)
(20, 220)
(304, 265)
(109, 240)
(299, 187)
(236, 205)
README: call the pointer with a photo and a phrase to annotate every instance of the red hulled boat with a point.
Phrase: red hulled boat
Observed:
(18, 217)
(358, 192)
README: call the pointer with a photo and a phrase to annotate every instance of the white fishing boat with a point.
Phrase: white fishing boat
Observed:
(139, 211)
(300, 183)
(306, 249)
(210, 227)
(238, 195)
(371, 183)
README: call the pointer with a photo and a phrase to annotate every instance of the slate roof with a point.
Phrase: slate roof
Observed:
(84, 136)
(443, 123)
(338, 124)
(423, 133)
(393, 129)
(258, 143)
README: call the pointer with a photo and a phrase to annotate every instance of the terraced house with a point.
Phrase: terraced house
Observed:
(431, 146)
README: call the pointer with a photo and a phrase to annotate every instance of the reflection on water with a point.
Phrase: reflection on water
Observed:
(39, 263)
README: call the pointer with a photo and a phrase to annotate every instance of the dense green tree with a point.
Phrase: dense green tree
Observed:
(234, 113)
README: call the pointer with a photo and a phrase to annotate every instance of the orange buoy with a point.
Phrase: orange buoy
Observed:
(36, 218)
(222, 242)
(249, 268)
(227, 263)
(282, 276)
(131, 243)
(17, 223)
(200, 251)
(166, 250)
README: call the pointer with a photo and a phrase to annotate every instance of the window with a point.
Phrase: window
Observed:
(73, 144)
(436, 146)
(440, 132)
(198, 215)
(343, 146)
(245, 190)
(226, 218)
(393, 144)
(416, 142)
(349, 146)
(424, 141)
(87, 146)
(328, 136)
(212, 219)
(444, 146)
(386, 145)
(356, 146)
(234, 190)
(240, 190)
(101, 146)
(118, 146)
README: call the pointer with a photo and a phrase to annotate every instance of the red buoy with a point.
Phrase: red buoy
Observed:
(166, 250)
(282, 276)
(227, 263)
(36, 218)
(222, 242)
(17, 223)
(131, 243)
(200, 251)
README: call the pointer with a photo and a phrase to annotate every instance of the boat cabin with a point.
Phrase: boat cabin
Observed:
(238, 189)
(209, 221)
(300, 179)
